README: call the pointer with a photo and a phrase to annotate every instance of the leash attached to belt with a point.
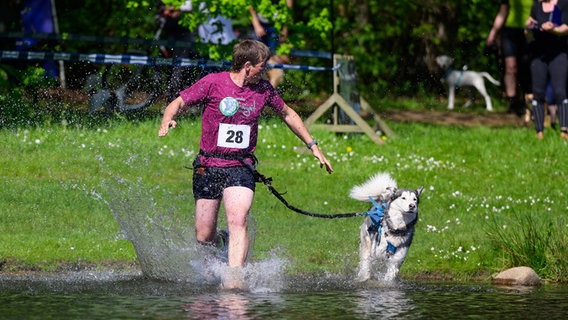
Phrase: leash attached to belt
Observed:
(267, 181)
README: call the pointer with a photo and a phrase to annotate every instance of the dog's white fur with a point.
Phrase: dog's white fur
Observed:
(460, 78)
(397, 227)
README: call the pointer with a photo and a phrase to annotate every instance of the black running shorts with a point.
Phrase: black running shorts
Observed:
(209, 182)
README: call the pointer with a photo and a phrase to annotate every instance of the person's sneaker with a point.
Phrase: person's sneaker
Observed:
(223, 248)
(517, 107)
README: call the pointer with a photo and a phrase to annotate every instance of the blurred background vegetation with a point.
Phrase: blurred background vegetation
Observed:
(394, 42)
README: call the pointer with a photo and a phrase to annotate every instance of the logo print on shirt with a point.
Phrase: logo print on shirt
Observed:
(229, 106)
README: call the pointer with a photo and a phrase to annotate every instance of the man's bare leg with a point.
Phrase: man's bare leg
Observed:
(238, 201)
(206, 212)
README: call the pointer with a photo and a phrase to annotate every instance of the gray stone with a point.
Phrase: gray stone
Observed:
(519, 276)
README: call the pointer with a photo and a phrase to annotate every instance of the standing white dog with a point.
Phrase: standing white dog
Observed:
(387, 232)
(463, 78)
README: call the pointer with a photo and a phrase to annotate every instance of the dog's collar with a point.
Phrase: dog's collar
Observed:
(403, 232)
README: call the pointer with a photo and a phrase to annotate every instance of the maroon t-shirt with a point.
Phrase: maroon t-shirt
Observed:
(230, 117)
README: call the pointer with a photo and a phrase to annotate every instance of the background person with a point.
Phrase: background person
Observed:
(510, 23)
(234, 101)
(549, 22)
(265, 31)
(168, 18)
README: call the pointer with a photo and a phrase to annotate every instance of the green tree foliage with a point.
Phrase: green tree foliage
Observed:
(394, 42)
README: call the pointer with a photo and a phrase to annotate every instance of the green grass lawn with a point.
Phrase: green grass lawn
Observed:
(58, 184)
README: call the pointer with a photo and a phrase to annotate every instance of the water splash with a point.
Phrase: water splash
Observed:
(165, 242)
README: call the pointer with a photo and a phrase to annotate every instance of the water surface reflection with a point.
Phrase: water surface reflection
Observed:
(134, 297)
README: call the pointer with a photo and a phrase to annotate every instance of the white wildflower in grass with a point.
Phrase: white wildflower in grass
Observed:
(162, 150)
(325, 203)
(37, 141)
(430, 228)
(187, 153)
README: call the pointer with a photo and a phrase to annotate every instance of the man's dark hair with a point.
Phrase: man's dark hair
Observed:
(249, 50)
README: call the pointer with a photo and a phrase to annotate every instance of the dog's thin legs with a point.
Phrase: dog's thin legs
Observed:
(394, 263)
(481, 88)
(365, 251)
(451, 94)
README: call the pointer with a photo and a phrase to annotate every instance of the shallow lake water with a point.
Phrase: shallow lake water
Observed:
(168, 287)
(86, 295)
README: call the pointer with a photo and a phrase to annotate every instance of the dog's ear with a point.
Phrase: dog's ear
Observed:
(391, 191)
(419, 190)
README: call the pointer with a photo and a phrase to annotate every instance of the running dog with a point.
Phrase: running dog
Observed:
(388, 229)
(464, 78)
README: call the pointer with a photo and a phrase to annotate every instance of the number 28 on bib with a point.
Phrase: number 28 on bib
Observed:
(233, 136)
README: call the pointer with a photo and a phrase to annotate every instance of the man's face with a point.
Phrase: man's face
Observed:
(256, 72)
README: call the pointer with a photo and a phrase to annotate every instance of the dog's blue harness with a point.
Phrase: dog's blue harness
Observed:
(458, 80)
(376, 215)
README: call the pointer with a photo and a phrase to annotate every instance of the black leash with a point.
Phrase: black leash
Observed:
(268, 183)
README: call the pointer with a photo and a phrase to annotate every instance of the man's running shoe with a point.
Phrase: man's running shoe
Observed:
(223, 248)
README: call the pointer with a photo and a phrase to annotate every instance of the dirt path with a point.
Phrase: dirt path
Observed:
(455, 118)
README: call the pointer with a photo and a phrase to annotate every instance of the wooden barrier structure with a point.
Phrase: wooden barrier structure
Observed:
(347, 105)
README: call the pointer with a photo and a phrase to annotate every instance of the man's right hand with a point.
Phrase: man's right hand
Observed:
(164, 128)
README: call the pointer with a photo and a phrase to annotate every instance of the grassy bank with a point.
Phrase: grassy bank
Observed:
(493, 198)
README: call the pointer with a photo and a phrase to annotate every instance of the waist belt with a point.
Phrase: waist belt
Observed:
(227, 156)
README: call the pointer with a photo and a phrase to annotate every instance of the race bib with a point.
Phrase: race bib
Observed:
(233, 136)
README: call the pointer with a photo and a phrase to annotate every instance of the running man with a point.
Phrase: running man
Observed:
(233, 102)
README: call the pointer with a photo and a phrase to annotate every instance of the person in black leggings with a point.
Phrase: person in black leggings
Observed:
(549, 22)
